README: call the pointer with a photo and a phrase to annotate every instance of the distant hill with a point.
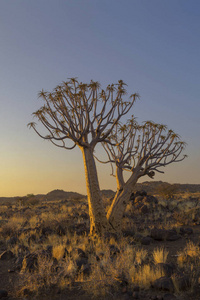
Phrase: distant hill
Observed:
(149, 186)
(62, 195)
(53, 195)
(107, 193)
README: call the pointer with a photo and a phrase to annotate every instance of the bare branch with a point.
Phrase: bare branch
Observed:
(83, 113)
(145, 148)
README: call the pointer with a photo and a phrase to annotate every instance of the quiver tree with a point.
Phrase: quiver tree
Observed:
(83, 115)
(141, 150)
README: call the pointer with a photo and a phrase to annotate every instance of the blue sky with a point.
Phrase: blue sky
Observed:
(152, 45)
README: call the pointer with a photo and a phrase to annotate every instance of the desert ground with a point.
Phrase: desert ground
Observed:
(46, 251)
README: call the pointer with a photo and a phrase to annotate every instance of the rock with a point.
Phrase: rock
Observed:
(114, 250)
(169, 297)
(32, 238)
(183, 282)
(30, 262)
(42, 239)
(12, 241)
(186, 230)
(47, 231)
(11, 270)
(132, 197)
(158, 234)
(84, 216)
(18, 263)
(125, 297)
(3, 294)
(49, 250)
(136, 295)
(132, 243)
(144, 209)
(127, 233)
(47, 253)
(146, 240)
(167, 269)
(78, 252)
(110, 235)
(85, 269)
(138, 199)
(150, 200)
(99, 256)
(60, 230)
(141, 193)
(6, 255)
(81, 230)
(164, 283)
(42, 207)
(26, 292)
(138, 237)
(81, 262)
(162, 235)
(173, 238)
(122, 279)
(171, 235)
(136, 288)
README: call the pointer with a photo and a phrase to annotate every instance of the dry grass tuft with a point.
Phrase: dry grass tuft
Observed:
(160, 255)
(145, 275)
(58, 251)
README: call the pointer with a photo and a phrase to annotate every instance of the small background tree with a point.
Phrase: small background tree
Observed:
(141, 150)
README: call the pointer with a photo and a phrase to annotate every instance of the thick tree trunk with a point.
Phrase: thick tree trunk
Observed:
(118, 206)
(98, 221)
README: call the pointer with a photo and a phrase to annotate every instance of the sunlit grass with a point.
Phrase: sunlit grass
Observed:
(160, 255)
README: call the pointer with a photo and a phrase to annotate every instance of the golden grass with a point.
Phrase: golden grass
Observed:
(58, 251)
(160, 255)
(191, 253)
(133, 263)
(145, 275)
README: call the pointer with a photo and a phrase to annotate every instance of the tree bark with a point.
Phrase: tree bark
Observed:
(98, 221)
(118, 206)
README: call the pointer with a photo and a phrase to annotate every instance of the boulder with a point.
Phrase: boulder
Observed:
(150, 200)
(146, 240)
(60, 230)
(3, 294)
(186, 230)
(167, 269)
(141, 193)
(172, 235)
(164, 283)
(114, 250)
(30, 262)
(47, 231)
(81, 262)
(85, 269)
(18, 263)
(78, 252)
(136, 295)
(158, 234)
(169, 297)
(183, 281)
(144, 209)
(6, 255)
(12, 241)
(163, 234)
(138, 199)
(127, 233)
(32, 238)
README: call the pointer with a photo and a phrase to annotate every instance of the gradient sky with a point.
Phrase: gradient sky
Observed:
(154, 46)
